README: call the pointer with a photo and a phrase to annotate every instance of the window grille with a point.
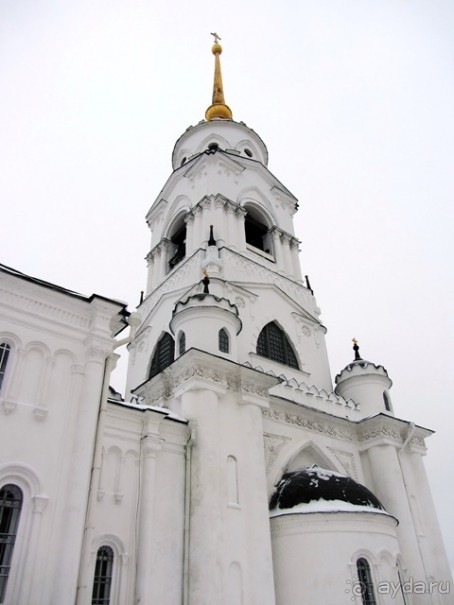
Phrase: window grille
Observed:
(223, 341)
(10, 508)
(274, 344)
(366, 583)
(182, 343)
(164, 354)
(5, 350)
(103, 576)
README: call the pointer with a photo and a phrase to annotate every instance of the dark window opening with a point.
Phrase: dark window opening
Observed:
(386, 400)
(256, 233)
(103, 576)
(178, 247)
(365, 582)
(182, 343)
(164, 354)
(248, 152)
(5, 350)
(10, 508)
(274, 344)
(223, 341)
(183, 161)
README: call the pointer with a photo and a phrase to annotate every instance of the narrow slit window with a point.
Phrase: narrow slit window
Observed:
(102, 582)
(10, 508)
(365, 582)
(182, 343)
(224, 344)
(5, 351)
(232, 480)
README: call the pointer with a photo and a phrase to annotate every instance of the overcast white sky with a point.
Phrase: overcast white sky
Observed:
(354, 100)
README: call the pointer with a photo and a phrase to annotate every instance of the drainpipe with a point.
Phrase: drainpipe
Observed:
(134, 322)
(187, 513)
(411, 430)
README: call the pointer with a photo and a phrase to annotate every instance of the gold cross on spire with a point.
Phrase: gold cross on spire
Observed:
(354, 341)
(218, 107)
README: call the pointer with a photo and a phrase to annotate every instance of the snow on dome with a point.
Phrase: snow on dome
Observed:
(315, 489)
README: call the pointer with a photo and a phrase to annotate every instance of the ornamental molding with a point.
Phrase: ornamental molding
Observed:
(175, 281)
(241, 264)
(273, 444)
(346, 460)
(218, 374)
(308, 422)
(381, 431)
(9, 406)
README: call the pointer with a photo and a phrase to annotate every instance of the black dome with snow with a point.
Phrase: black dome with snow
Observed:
(315, 483)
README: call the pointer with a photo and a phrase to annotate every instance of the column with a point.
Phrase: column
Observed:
(190, 246)
(197, 227)
(151, 446)
(151, 270)
(239, 235)
(390, 489)
(429, 534)
(78, 479)
(287, 258)
(163, 264)
(295, 258)
(277, 247)
(206, 506)
(220, 234)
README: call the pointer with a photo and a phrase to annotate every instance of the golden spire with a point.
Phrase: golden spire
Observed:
(218, 109)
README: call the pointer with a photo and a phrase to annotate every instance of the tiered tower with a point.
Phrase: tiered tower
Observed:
(232, 343)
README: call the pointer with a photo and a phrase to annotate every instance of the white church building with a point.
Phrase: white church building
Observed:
(233, 471)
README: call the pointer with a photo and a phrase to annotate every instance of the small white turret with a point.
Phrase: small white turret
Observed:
(365, 383)
(206, 322)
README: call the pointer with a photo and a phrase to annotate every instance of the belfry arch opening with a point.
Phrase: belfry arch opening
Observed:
(257, 230)
(177, 243)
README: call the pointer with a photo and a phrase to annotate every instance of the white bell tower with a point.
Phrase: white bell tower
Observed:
(225, 314)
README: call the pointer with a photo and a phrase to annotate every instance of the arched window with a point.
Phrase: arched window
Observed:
(386, 401)
(10, 506)
(177, 244)
(256, 231)
(5, 350)
(365, 581)
(223, 337)
(103, 576)
(163, 355)
(274, 344)
(182, 343)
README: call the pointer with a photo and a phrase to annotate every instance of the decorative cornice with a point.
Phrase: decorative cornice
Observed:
(370, 432)
(329, 425)
(29, 304)
(197, 369)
